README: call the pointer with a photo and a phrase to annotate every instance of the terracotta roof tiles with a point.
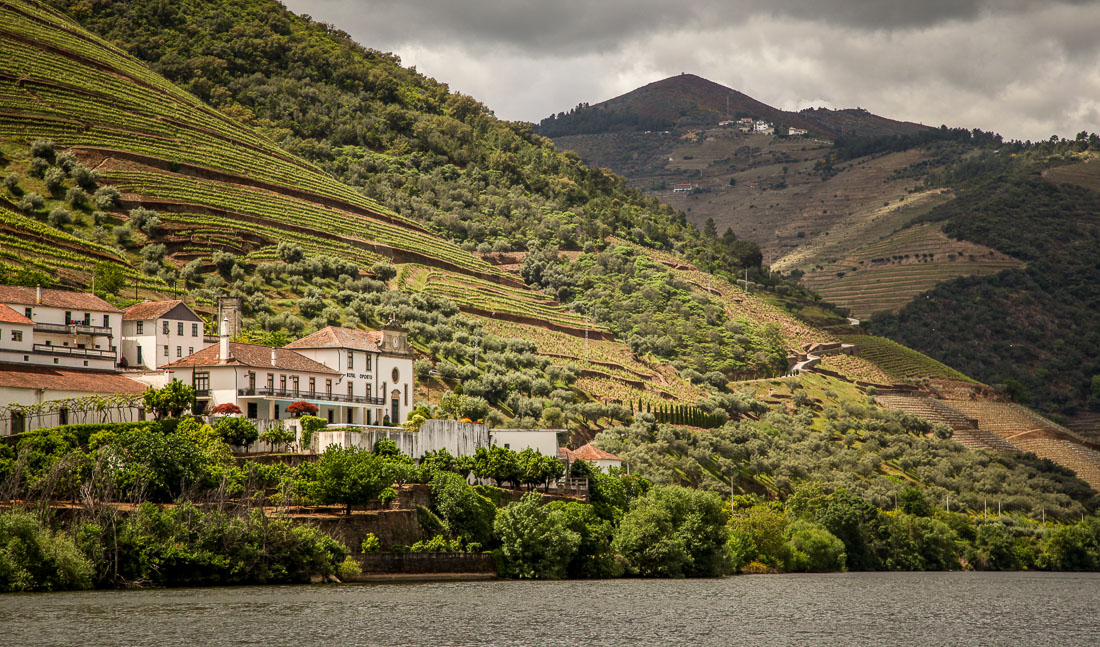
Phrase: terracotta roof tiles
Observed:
(26, 296)
(337, 337)
(251, 355)
(148, 310)
(21, 376)
(7, 315)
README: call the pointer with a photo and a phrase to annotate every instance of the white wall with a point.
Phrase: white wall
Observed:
(544, 441)
(12, 395)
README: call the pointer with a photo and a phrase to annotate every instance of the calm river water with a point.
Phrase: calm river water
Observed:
(834, 609)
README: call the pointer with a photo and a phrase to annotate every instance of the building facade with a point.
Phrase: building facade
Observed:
(157, 333)
(375, 365)
(58, 328)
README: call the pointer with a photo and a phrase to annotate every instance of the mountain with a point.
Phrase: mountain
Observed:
(690, 101)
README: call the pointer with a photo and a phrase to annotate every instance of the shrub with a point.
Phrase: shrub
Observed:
(59, 217)
(31, 202)
(11, 182)
(468, 514)
(673, 531)
(814, 549)
(34, 559)
(107, 198)
(535, 541)
(85, 177)
(278, 436)
(55, 180)
(38, 167)
(237, 431)
(348, 476)
(226, 409)
(383, 270)
(76, 196)
(301, 408)
(43, 148)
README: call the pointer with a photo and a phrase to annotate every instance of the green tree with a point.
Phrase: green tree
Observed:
(814, 549)
(674, 531)
(171, 400)
(468, 514)
(347, 475)
(32, 558)
(594, 556)
(535, 541)
(238, 432)
(109, 279)
(497, 463)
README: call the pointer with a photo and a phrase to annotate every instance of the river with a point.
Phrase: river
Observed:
(820, 609)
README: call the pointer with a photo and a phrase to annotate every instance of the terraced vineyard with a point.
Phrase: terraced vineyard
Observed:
(498, 299)
(900, 362)
(883, 276)
(628, 377)
(1085, 174)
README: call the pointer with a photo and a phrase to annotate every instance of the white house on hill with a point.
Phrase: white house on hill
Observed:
(58, 328)
(375, 365)
(156, 333)
(591, 454)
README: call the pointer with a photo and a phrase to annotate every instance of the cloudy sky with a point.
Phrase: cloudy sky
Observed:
(1025, 68)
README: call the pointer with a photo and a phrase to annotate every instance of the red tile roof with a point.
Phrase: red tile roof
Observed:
(21, 376)
(252, 355)
(7, 315)
(148, 310)
(336, 337)
(54, 298)
(590, 452)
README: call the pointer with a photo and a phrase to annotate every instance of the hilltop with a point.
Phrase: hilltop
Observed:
(690, 101)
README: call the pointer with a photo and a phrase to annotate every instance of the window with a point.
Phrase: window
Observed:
(190, 350)
(164, 327)
(106, 321)
(406, 395)
(370, 389)
(194, 330)
(179, 351)
(251, 384)
(17, 335)
(282, 383)
(63, 416)
(351, 390)
(27, 312)
(368, 362)
(253, 410)
(396, 375)
(201, 382)
(166, 350)
(141, 327)
(294, 384)
(18, 422)
(312, 385)
(351, 361)
(68, 317)
(179, 328)
(328, 387)
(87, 318)
(271, 381)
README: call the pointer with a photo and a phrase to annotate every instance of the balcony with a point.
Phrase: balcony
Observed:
(73, 329)
(68, 351)
(292, 394)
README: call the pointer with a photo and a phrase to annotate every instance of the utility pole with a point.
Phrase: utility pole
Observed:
(586, 338)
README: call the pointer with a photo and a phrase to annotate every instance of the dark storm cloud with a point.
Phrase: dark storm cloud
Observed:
(1026, 68)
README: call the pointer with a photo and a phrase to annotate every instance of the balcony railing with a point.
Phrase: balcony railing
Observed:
(73, 329)
(299, 394)
(69, 351)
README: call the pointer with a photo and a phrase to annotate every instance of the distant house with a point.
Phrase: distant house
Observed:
(592, 455)
(155, 333)
(797, 131)
(680, 188)
(762, 127)
(31, 385)
(726, 122)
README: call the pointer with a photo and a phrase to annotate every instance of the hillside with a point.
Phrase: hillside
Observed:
(614, 304)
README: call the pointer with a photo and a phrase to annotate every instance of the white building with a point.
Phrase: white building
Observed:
(591, 454)
(58, 328)
(763, 128)
(156, 333)
(792, 132)
(376, 368)
(33, 396)
(543, 441)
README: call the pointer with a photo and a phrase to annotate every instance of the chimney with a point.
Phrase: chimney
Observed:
(273, 357)
(223, 350)
(38, 294)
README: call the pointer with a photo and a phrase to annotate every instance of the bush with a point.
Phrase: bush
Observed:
(11, 183)
(310, 424)
(814, 549)
(301, 408)
(383, 270)
(107, 198)
(32, 558)
(238, 432)
(43, 148)
(468, 514)
(674, 532)
(59, 217)
(31, 202)
(226, 409)
(55, 180)
(348, 476)
(535, 541)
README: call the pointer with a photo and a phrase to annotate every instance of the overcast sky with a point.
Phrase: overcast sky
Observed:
(1025, 68)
